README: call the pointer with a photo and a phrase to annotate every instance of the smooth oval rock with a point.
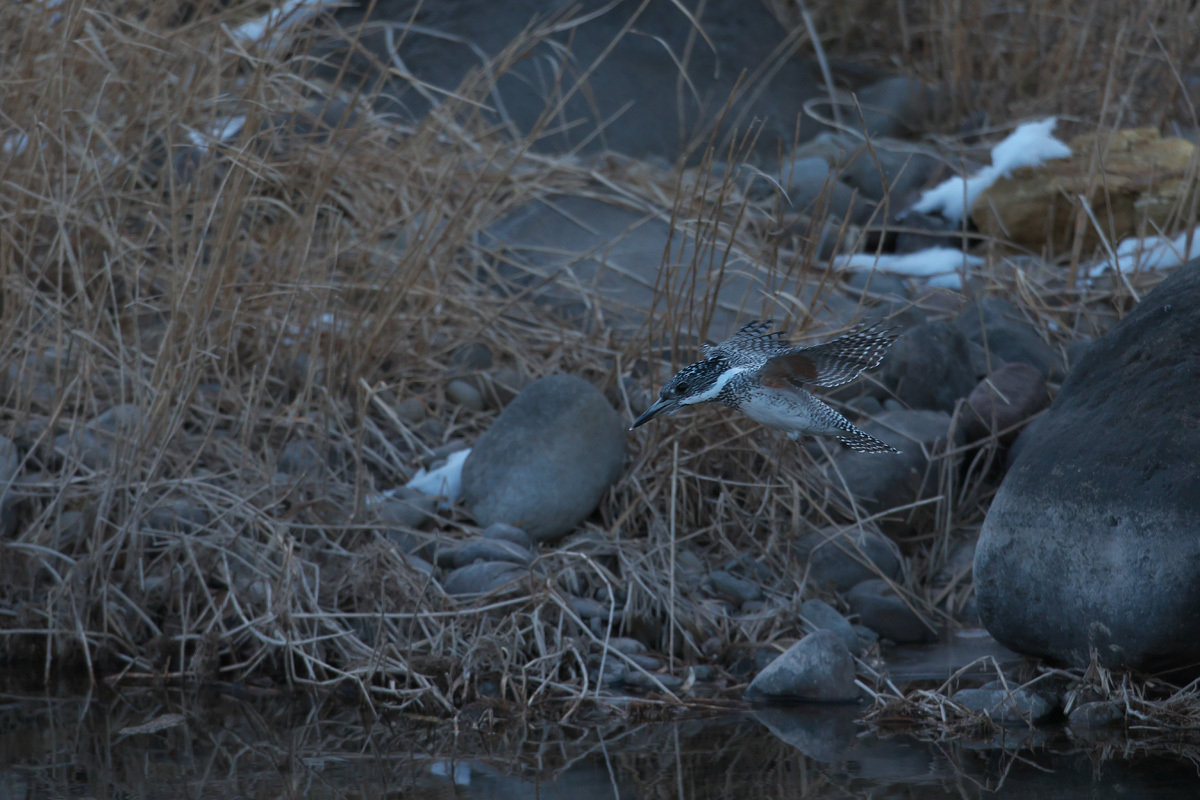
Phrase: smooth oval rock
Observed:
(1097, 714)
(737, 589)
(547, 460)
(84, 447)
(302, 457)
(818, 667)
(490, 550)
(507, 533)
(121, 420)
(1006, 707)
(483, 577)
(179, 516)
(461, 392)
(1091, 542)
(881, 610)
(406, 507)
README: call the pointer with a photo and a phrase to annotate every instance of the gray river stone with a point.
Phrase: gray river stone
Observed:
(483, 577)
(819, 615)
(547, 460)
(929, 367)
(818, 667)
(845, 558)
(880, 482)
(1001, 328)
(1091, 541)
(1018, 706)
(883, 611)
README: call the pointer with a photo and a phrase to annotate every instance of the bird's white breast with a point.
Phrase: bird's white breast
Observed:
(775, 409)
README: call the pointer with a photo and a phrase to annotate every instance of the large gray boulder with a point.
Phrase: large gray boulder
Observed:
(1093, 540)
(547, 460)
(574, 253)
(633, 100)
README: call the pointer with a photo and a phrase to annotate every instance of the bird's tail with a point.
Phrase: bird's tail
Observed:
(864, 442)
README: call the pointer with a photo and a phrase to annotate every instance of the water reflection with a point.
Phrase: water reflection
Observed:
(227, 745)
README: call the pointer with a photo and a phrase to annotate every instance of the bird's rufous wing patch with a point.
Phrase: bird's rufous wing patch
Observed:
(786, 368)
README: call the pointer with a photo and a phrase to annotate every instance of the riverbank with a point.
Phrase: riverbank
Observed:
(243, 310)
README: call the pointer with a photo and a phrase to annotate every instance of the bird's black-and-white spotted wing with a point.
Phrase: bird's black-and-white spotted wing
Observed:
(833, 363)
(753, 342)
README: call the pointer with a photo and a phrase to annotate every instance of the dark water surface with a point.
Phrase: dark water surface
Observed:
(240, 744)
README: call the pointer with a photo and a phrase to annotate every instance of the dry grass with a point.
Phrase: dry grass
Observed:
(1107, 63)
(288, 286)
(1140, 714)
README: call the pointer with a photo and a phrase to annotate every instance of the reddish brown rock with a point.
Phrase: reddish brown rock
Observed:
(1009, 396)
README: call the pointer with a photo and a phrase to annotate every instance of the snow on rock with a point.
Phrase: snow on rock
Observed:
(942, 266)
(222, 131)
(444, 481)
(1152, 252)
(1030, 145)
(271, 28)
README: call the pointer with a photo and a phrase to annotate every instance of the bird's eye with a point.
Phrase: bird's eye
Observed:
(680, 388)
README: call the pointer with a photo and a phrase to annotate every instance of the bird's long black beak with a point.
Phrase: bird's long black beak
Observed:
(650, 413)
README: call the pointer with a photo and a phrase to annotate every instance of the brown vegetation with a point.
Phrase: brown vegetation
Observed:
(291, 284)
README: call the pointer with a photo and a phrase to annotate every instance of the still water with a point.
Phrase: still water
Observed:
(228, 744)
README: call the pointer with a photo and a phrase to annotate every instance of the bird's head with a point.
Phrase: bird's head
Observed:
(696, 383)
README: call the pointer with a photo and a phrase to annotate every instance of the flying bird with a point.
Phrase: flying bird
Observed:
(758, 372)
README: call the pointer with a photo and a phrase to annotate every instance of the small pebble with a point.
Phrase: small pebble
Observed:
(301, 457)
(490, 550)
(462, 393)
(639, 680)
(587, 608)
(178, 516)
(410, 409)
(737, 589)
(647, 661)
(1016, 707)
(623, 644)
(883, 612)
(407, 507)
(483, 577)
(472, 357)
(1098, 714)
(121, 419)
(432, 429)
(502, 531)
